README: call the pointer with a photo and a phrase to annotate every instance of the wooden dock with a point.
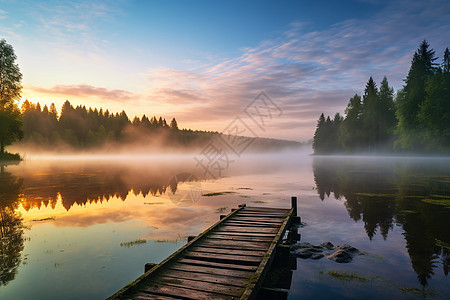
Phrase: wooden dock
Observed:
(229, 260)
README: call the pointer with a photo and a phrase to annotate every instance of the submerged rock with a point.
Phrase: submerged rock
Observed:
(317, 256)
(327, 245)
(343, 254)
(347, 248)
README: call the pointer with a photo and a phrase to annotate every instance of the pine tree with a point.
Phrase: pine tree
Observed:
(446, 61)
(422, 67)
(387, 114)
(371, 115)
(434, 111)
(173, 124)
(350, 133)
(319, 138)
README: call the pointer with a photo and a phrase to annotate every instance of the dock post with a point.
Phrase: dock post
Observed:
(294, 205)
(149, 266)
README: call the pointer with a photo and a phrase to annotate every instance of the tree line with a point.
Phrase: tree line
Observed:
(415, 119)
(80, 127)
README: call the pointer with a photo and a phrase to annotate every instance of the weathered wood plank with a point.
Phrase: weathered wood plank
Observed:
(258, 219)
(229, 251)
(266, 209)
(254, 213)
(216, 265)
(239, 237)
(259, 234)
(248, 229)
(223, 245)
(146, 296)
(212, 271)
(253, 224)
(262, 245)
(218, 288)
(213, 278)
(181, 292)
(225, 258)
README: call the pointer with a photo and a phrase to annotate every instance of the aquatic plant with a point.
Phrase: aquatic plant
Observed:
(132, 243)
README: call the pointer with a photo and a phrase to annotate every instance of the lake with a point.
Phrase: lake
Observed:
(82, 227)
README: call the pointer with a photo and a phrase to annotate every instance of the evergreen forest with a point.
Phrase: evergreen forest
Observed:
(415, 119)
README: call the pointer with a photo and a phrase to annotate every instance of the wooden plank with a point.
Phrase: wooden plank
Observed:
(218, 288)
(250, 221)
(265, 209)
(251, 214)
(237, 244)
(181, 292)
(239, 237)
(257, 219)
(232, 247)
(229, 251)
(146, 296)
(216, 265)
(212, 271)
(259, 234)
(254, 224)
(213, 278)
(225, 258)
(247, 229)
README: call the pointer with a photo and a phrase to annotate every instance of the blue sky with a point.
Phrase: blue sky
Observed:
(204, 61)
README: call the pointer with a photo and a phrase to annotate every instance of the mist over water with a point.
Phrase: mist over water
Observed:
(71, 213)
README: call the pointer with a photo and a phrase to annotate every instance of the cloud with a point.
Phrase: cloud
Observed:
(307, 71)
(85, 91)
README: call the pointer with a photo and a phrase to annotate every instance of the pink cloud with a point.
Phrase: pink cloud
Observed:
(85, 90)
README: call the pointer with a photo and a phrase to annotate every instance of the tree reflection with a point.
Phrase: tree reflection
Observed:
(382, 193)
(11, 228)
(93, 184)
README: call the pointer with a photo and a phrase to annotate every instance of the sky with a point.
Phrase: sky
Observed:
(205, 62)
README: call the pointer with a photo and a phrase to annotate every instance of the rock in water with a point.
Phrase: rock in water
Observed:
(317, 256)
(344, 253)
(348, 249)
(327, 245)
(341, 256)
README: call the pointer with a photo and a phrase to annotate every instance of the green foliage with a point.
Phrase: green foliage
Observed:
(416, 121)
(10, 89)
(434, 113)
(351, 133)
(81, 128)
(10, 127)
(10, 83)
(409, 129)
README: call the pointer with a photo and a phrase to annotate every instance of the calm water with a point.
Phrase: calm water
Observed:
(67, 222)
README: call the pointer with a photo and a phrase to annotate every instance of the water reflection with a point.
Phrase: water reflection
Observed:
(76, 183)
(11, 227)
(411, 193)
